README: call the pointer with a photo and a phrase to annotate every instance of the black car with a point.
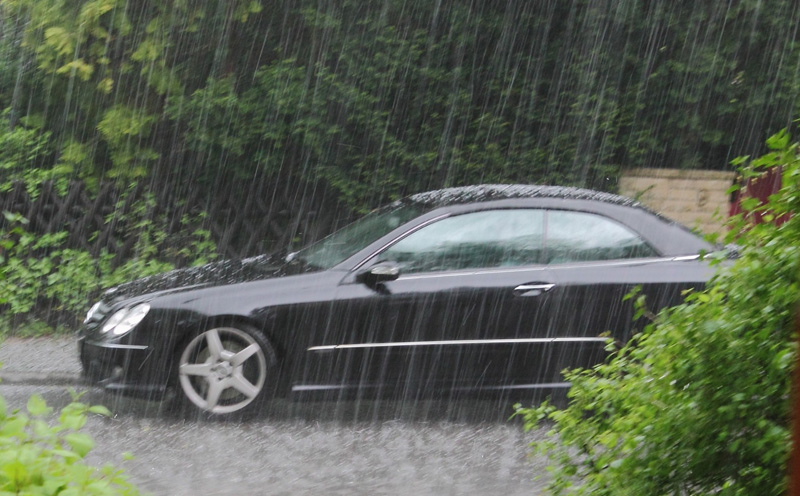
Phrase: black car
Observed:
(493, 288)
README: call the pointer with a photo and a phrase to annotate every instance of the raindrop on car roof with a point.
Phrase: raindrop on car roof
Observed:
(488, 192)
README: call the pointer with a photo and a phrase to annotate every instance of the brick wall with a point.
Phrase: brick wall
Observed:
(696, 198)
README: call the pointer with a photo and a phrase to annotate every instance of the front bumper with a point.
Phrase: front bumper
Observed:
(128, 369)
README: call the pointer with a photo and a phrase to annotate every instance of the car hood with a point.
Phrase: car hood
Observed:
(213, 274)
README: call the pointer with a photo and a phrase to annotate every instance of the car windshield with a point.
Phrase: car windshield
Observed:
(349, 240)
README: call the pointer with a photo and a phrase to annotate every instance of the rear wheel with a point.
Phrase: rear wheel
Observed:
(225, 371)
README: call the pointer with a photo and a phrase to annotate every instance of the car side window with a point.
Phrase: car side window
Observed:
(493, 238)
(580, 236)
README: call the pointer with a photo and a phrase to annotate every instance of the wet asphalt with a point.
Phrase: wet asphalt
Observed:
(338, 448)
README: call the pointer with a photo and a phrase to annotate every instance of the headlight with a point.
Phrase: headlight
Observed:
(125, 320)
(92, 312)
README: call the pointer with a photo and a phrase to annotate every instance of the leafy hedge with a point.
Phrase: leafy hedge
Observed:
(44, 281)
(373, 100)
(698, 402)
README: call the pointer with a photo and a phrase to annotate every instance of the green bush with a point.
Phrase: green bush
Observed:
(43, 276)
(37, 458)
(698, 402)
(40, 278)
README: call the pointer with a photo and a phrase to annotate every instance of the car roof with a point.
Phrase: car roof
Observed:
(490, 192)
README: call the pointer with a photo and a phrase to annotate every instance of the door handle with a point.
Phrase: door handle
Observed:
(532, 289)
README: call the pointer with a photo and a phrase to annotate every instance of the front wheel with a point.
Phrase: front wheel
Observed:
(226, 370)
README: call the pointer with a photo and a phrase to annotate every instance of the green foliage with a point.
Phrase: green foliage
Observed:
(41, 277)
(24, 151)
(375, 100)
(698, 402)
(41, 457)
(122, 128)
(42, 274)
(103, 69)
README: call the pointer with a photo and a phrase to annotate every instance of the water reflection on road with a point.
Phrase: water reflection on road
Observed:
(344, 447)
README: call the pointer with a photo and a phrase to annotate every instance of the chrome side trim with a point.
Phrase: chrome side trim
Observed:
(462, 273)
(339, 387)
(455, 342)
(545, 385)
(322, 387)
(686, 258)
(116, 346)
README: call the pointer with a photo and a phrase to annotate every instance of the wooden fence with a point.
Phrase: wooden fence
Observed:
(243, 220)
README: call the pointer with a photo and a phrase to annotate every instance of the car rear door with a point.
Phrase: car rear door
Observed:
(594, 262)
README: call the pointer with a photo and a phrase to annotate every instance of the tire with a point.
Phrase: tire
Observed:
(225, 372)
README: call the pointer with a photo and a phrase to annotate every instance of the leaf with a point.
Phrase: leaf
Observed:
(15, 471)
(80, 443)
(66, 454)
(42, 429)
(59, 39)
(77, 67)
(73, 419)
(106, 85)
(14, 426)
(100, 410)
(13, 217)
(779, 140)
(740, 160)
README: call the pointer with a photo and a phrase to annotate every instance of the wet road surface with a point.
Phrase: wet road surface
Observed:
(377, 448)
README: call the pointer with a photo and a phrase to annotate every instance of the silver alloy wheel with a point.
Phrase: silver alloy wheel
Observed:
(222, 370)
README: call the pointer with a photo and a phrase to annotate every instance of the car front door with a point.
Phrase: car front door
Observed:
(472, 291)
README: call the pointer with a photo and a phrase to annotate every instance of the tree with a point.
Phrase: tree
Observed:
(375, 100)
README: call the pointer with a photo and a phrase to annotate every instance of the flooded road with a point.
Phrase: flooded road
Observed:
(294, 448)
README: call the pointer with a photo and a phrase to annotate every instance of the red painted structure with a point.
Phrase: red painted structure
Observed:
(760, 187)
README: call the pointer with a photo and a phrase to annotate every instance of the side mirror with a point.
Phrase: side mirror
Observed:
(381, 272)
